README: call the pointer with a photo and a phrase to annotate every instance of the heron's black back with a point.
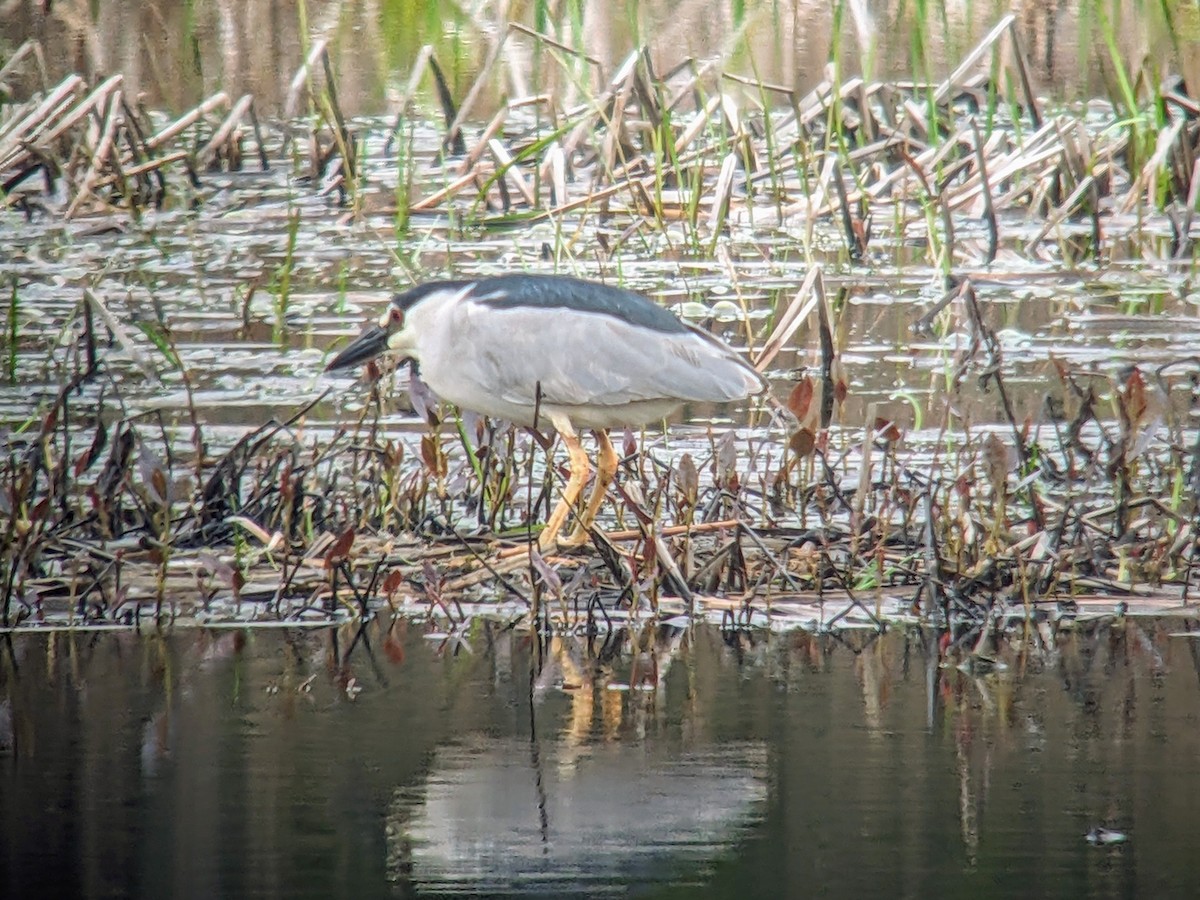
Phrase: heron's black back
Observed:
(556, 292)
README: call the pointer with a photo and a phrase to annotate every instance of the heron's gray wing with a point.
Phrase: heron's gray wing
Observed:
(588, 359)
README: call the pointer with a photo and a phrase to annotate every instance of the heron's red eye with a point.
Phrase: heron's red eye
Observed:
(397, 316)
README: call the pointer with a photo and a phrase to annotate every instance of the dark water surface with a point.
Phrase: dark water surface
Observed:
(206, 764)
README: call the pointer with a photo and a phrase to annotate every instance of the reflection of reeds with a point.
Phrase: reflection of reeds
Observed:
(697, 161)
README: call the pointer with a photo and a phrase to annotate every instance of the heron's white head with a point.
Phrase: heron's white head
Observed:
(398, 329)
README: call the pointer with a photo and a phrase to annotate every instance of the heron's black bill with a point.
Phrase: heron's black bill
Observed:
(368, 345)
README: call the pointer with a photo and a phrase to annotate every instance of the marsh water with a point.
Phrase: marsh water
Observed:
(243, 763)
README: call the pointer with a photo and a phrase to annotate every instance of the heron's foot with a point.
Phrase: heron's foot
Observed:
(522, 549)
(549, 542)
(577, 538)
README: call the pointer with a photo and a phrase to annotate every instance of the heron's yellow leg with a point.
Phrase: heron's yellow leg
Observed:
(580, 468)
(606, 471)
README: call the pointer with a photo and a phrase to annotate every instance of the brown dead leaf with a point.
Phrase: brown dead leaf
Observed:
(887, 429)
(629, 444)
(803, 442)
(725, 460)
(962, 486)
(687, 479)
(99, 440)
(393, 454)
(862, 234)
(153, 474)
(340, 549)
(997, 461)
(840, 391)
(1133, 397)
(800, 398)
(393, 581)
(432, 456)
(158, 480)
(285, 482)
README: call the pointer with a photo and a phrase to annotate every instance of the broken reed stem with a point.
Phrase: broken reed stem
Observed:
(303, 78)
(188, 119)
(989, 212)
(223, 134)
(23, 127)
(103, 148)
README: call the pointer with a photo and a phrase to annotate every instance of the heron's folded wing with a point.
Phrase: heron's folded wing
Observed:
(603, 361)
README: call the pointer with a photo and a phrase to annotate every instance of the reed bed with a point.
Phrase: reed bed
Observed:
(824, 522)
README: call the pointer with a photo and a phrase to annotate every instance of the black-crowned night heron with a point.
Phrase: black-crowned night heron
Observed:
(547, 348)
